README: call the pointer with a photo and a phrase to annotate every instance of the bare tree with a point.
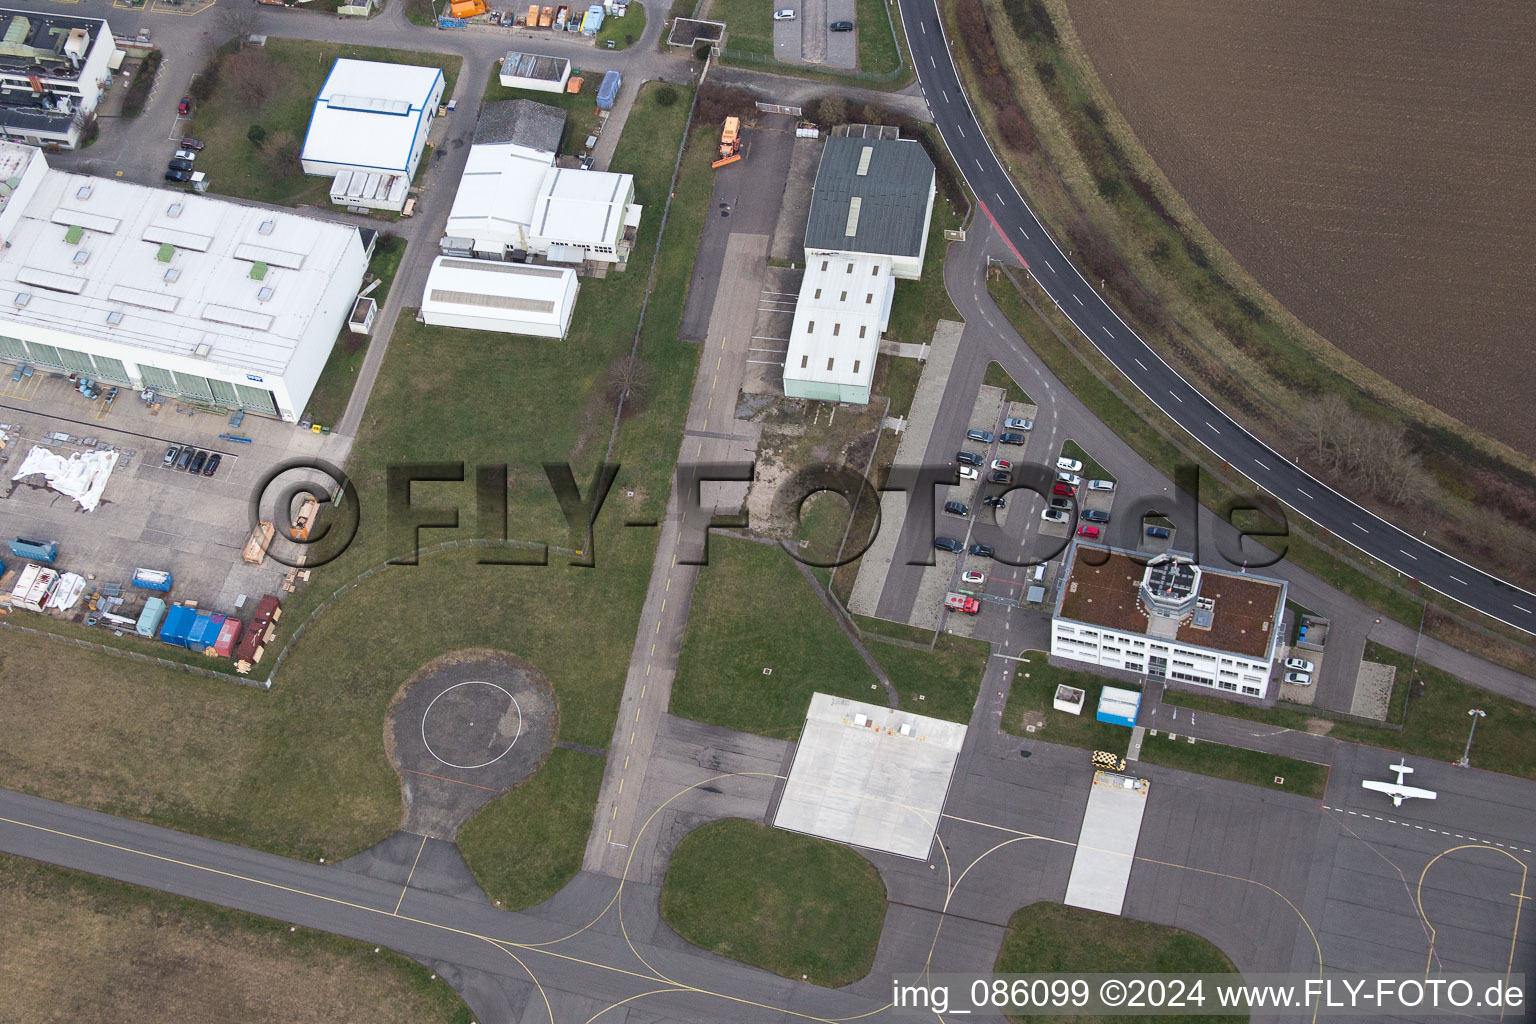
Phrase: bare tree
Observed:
(630, 381)
(284, 154)
(237, 21)
(249, 73)
(834, 109)
(1374, 454)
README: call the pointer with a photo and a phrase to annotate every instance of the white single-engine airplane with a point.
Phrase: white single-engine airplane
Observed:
(1396, 790)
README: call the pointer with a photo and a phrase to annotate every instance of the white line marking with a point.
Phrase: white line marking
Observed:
(930, 62)
(1024, 233)
(1303, 493)
(1458, 579)
(1048, 266)
(1000, 200)
(945, 94)
(1106, 330)
(1414, 557)
(1260, 464)
(924, 26)
(1208, 423)
(1524, 609)
(1359, 527)
(1077, 300)
(1142, 365)
(1175, 395)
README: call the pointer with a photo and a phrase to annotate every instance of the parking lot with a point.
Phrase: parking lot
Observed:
(150, 515)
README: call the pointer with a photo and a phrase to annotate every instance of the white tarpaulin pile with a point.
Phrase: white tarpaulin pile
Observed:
(67, 591)
(82, 476)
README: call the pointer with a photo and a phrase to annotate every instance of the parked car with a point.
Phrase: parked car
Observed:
(185, 458)
(1091, 532)
(969, 473)
(1158, 531)
(1054, 515)
(1018, 423)
(784, 15)
(1069, 478)
(984, 436)
(1065, 489)
(1095, 515)
(1010, 438)
(975, 577)
(999, 476)
(996, 501)
(170, 455)
(198, 461)
(1101, 485)
(186, 154)
(1002, 464)
(213, 464)
(1069, 465)
(185, 106)
(969, 458)
(178, 175)
(841, 26)
(983, 550)
(1299, 678)
(1065, 504)
(190, 143)
(177, 164)
(957, 508)
(1299, 664)
(948, 544)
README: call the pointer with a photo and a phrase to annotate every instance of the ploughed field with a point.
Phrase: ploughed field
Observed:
(1369, 164)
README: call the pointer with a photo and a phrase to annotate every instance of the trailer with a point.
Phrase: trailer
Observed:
(151, 617)
(152, 579)
(33, 587)
(45, 551)
(609, 90)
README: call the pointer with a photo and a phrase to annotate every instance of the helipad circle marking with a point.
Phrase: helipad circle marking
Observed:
(471, 682)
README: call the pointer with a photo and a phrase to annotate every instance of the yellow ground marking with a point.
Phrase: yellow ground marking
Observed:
(531, 976)
(407, 886)
(1520, 899)
(630, 999)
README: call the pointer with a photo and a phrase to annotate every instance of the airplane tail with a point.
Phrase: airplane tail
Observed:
(1402, 769)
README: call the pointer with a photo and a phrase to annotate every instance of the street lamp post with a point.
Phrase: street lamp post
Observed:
(1466, 755)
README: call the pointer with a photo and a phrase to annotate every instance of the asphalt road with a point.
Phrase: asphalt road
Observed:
(1005, 206)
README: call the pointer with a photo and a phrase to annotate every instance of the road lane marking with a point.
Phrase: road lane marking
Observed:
(1261, 465)
(1000, 200)
(1304, 494)
(1142, 365)
(1414, 557)
(930, 61)
(1523, 609)
(1024, 233)
(1048, 266)
(1458, 579)
(945, 94)
(1359, 527)
(1175, 394)
(1208, 423)
(1076, 299)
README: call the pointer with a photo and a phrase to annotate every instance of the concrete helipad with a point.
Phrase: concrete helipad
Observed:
(870, 776)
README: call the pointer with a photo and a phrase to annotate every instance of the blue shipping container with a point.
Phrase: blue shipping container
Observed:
(152, 579)
(37, 550)
(178, 623)
(609, 90)
(150, 617)
(205, 630)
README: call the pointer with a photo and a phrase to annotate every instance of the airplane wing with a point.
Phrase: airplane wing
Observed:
(1397, 792)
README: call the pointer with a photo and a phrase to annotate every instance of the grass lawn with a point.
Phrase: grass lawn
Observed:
(733, 634)
(623, 32)
(294, 70)
(749, 24)
(791, 904)
(301, 770)
(997, 377)
(1030, 702)
(1091, 470)
(80, 947)
(1250, 766)
(877, 46)
(919, 305)
(1050, 938)
(538, 812)
(334, 387)
(580, 109)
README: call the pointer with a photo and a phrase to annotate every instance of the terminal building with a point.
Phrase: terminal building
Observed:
(868, 225)
(1164, 617)
(186, 295)
(369, 129)
(53, 71)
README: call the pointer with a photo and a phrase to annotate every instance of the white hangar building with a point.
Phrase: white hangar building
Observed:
(509, 298)
(191, 296)
(369, 128)
(871, 206)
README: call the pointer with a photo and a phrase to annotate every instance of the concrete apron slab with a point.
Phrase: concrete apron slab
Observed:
(1106, 846)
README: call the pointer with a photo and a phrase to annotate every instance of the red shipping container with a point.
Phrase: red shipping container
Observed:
(229, 635)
